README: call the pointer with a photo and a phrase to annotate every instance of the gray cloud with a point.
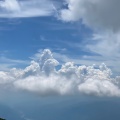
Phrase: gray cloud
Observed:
(95, 13)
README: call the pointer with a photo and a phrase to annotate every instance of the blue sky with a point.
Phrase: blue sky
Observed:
(59, 59)
(28, 35)
(27, 27)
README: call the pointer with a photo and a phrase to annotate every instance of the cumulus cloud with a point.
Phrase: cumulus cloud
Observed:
(95, 13)
(26, 8)
(44, 78)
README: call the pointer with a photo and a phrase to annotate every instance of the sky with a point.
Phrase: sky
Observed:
(59, 59)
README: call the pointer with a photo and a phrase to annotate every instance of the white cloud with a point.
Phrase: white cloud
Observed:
(26, 8)
(46, 79)
(99, 88)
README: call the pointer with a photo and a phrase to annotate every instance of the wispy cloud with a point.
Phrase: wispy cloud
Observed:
(7, 63)
(26, 8)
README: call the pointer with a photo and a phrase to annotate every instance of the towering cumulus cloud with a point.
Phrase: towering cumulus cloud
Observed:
(44, 78)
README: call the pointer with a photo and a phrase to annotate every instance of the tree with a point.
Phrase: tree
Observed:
(2, 119)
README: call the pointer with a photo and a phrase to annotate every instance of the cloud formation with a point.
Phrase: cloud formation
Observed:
(102, 17)
(44, 78)
(95, 13)
(26, 8)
